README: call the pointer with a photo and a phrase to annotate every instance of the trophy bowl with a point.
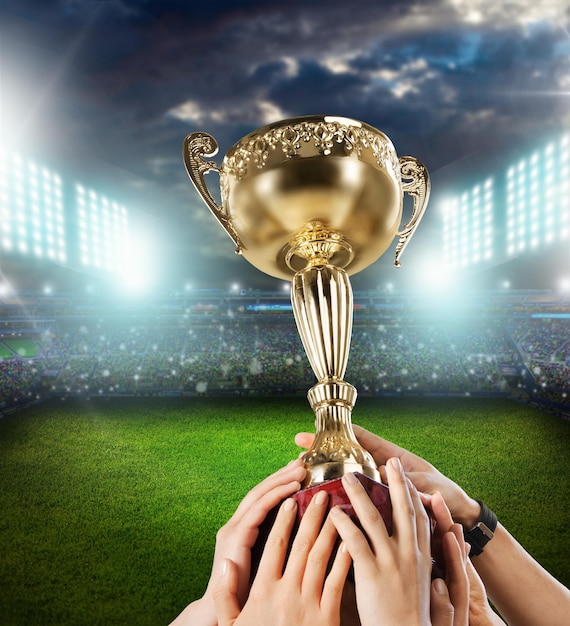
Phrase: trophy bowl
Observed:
(277, 189)
(313, 200)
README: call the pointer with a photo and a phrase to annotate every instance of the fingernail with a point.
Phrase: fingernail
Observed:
(224, 567)
(343, 548)
(321, 498)
(395, 463)
(350, 478)
(440, 586)
(289, 504)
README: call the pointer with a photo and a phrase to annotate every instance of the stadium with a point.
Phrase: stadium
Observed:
(452, 339)
(132, 426)
(149, 378)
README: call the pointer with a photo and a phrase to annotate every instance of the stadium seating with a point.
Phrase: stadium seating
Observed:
(214, 344)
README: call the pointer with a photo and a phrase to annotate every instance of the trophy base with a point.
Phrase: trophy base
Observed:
(377, 492)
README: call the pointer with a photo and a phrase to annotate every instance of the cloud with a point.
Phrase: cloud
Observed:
(258, 112)
(125, 81)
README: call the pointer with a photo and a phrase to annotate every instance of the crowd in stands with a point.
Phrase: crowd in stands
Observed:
(243, 353)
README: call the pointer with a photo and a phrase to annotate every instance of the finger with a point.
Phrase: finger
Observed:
(441, 512)
(275, 551)
(383, 476)
(423, 525)
(441, 608)
(457, 530)
(366, 511)
(336, 580)
(318, 560)
(225, 594)
(353, 538)
(404, 518)
(257, 512)
(304, 440)
(306, 536)
(293, 472)
(456, 577)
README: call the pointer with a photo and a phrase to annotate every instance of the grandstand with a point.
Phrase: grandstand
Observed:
(209, 342)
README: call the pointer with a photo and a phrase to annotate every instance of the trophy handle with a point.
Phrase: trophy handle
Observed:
(196, 147)
(418, 186)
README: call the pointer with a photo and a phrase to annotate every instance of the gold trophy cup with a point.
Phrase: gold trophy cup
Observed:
(313, 200)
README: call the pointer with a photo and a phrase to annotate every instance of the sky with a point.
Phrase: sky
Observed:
(105, 91)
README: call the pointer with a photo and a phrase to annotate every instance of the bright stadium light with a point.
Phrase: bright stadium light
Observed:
(468, 226)
(103, 228)
(135, 264)
(31, 209)
(564, 284)
(435, 278)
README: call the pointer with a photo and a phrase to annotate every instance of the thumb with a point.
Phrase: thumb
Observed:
(304, 440)
(225, 594)
(441, 609)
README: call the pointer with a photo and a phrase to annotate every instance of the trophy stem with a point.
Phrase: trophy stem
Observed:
(323, 307)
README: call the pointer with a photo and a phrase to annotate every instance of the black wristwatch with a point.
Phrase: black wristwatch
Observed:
(480, 535)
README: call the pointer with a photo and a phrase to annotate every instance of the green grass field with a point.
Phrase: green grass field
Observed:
(108, 510)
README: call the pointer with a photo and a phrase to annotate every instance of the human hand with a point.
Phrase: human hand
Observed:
(292, 589)
(425, 476)
(450, 599)
(392, 573)
(237, 537)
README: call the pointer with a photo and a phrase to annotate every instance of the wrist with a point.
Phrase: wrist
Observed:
(469, 513)
(206, 611)
(478, 536)
(197, 613)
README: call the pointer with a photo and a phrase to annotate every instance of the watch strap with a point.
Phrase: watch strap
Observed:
(480, 535)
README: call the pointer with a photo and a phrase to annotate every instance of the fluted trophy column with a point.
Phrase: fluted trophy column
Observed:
(322, 301)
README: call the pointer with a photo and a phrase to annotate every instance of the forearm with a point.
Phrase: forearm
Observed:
(522, 591)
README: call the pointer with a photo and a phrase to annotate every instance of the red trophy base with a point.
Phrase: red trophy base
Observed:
(377, 492)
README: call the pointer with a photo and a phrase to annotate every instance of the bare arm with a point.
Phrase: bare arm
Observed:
(523, 592)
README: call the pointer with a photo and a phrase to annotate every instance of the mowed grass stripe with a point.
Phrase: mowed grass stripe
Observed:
(108, 510)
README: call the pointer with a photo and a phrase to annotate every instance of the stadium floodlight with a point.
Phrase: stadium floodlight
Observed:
(537, 198)
(468, 226)
(103, 229)
(31, 202)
